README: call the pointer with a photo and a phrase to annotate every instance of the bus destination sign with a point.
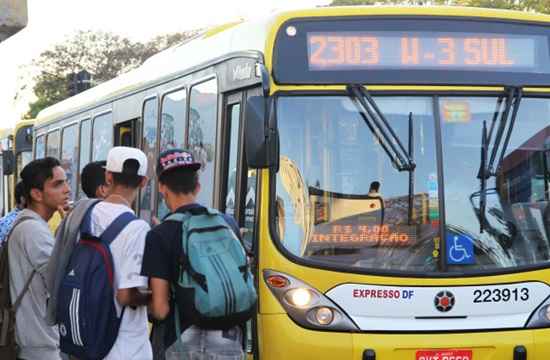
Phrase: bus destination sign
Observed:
(379, 50)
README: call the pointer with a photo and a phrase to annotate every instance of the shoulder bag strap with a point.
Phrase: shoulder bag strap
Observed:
(28, 282)
(25, 289)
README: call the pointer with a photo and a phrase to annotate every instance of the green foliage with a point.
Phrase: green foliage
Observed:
(104, 55)
(541, 6)
(387, 2)
(352, 2)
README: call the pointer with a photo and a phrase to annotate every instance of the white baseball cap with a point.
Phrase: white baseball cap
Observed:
(120, 154)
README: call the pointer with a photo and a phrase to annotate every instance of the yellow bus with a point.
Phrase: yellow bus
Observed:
(5, 145)
(16, 153)
(389, 167)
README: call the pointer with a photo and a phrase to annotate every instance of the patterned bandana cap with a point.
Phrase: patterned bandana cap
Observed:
(174, 158)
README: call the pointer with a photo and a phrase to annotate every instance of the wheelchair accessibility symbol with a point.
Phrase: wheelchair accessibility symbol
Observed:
(460, 249)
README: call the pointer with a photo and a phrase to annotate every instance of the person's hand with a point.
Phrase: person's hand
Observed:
(155, 220)
(65, 209)
(62, 211)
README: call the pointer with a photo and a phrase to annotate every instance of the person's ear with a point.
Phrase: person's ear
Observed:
(162, 188)
(143, 182)
(197, 189)
(36, 195)
(108, 178)
(101, 191)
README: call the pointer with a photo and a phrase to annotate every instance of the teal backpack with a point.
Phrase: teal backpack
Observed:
(215, 267)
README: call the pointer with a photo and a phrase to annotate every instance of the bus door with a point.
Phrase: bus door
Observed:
(126, 135)
(238, 181)
(148, 144)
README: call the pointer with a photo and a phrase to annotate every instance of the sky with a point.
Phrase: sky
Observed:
(53, 21)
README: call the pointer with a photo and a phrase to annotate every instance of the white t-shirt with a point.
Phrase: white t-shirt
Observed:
(127, 250)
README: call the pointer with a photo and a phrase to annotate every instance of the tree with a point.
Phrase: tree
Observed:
(523, 5)
(352, 2)
(387, 2)
(104, 55)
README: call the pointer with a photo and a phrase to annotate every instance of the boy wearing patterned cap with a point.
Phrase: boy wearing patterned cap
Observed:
(178, 177)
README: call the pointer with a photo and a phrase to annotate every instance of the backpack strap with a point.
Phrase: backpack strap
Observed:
(116, 227)
(86, 224)
(112, 232)
(179, 217)
(23, 292)
(184, 260)
(211, 211)
(28, 282)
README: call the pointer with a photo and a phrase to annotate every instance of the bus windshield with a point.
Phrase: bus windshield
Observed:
(340, 200)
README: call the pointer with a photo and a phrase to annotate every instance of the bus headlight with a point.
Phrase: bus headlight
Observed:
(540, 318)
(323, 315)
(306, 305)
(299, 297)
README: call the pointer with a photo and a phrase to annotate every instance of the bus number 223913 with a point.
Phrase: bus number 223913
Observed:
(501, 295)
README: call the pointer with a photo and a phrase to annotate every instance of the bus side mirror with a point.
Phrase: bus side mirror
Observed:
(8, 162)
(261, 138)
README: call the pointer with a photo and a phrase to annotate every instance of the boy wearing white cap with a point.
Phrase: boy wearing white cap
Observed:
(125, 173)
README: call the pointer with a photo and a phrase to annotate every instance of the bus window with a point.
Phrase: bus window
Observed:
(40, 151)
(202, 134)
(102, 136)
(515, 230)
(330, 161)
(85, 142)
(52, 144)
(234, 112)
(148, 145)
(69, 151)
(125, 133)
(22, 148)
(172, 121)
(172, 130)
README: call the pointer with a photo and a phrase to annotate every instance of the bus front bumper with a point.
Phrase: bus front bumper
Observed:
(281, 338)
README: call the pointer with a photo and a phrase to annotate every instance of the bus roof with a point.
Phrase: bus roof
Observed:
(23, 123)
(250, 36)
(246, 36)
(5, 132)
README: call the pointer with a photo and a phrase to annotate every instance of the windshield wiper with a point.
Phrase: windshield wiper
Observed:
(381, 128)
(402, 159)
(487, 168)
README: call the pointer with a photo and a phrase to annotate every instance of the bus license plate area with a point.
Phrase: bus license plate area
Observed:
(444, 354)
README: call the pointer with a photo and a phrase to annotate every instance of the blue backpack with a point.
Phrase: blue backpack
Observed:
(86, 311)
(215, 267)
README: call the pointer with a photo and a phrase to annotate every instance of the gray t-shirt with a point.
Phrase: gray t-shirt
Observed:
(29, 247)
